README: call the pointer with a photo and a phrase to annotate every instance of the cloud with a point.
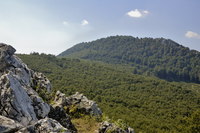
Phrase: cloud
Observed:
(137, 13)
(146, 12)
(84, 22)
(65, 23)
(191, 34)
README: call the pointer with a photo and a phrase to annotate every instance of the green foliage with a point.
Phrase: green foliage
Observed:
(145, 103)
(110, 131)
(62, 131)
(47, 97)
(122, 124)
(195, 122)
(159, 57)
(75, 112)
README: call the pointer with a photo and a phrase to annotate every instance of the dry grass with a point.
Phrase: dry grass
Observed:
(86, 124)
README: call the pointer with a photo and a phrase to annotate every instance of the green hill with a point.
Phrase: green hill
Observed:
(147, 104)
(159, 57)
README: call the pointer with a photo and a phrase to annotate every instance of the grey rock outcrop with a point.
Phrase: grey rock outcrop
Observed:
(22, 110)
(18, 100)
(8, 125)
(83, 103)
(15, 102)
(80, 101)
(46, 125)
(60, 100)
(107, 127)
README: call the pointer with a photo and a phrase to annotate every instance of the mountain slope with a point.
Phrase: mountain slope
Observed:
(145, 103)
(159, 57)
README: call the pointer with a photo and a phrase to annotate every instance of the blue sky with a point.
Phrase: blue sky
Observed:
(52, 26)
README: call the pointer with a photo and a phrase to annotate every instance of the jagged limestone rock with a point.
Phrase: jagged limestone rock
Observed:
(83, 103)
(107, 127)
(20, 105)
(18, 100)
(80, 101)
(8, 125)
(46, 125)
(60, 99)
(15, 102)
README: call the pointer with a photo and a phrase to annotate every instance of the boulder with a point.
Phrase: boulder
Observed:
(46, 125)
(82, 103)
(107, 127)
(60, 100)
(8, 125)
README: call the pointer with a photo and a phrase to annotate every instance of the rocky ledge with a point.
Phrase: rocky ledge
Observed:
(22, 110)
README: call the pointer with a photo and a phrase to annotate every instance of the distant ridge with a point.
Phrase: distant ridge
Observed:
(159, 57)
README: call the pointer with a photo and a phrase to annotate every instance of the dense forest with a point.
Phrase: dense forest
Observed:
(159, 57)
(148, 104)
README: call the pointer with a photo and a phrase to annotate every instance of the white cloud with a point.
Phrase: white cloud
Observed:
(146, 12)
(84, 22)
(191, 34)
(137, 13)
(65, 23)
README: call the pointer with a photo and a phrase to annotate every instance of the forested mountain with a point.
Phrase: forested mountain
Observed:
(147, 104)
(159, 57)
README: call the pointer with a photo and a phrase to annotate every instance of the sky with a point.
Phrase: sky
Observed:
(52, 26)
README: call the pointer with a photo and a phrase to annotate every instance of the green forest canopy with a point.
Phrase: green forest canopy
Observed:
(159, 57)
(147, 104)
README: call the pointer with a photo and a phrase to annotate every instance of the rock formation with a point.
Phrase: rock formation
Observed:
(80, 101)
(46, 125)
(107, 127)
(20, 104)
